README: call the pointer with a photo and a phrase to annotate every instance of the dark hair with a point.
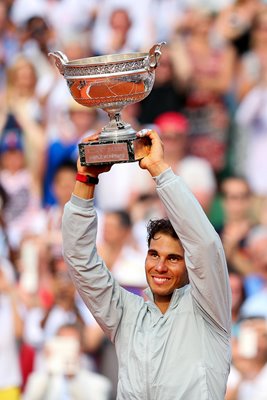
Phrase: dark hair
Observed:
(78, 327)
(123, 216)
(234, 177)
(36, 25)
(162, 225)
(75, 326)
(233, 271)
(4, 197)
(65, 165)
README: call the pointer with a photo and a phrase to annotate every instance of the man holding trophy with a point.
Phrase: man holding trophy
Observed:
(175, 344)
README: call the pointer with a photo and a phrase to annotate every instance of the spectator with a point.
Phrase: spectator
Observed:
(40, 255)
(21, 181)
(238, 222)
(63, 181)
(37, 39)
(11, 319)
(22, 10)
(253, 62)
(256, 245)
(212, 67)
(74, 46)
(197, 173)
(247, 378)
(42, 323)
(120, 252)
(251, 138)
(170, 12)
(167, 87)
(238, 298)
(64, 375)
(74, 20)
(63, 146)
(21, 94)
(235, 22)
(214, 6)
(8, 41)
(120, 24)
(144, 208)
(137, 37)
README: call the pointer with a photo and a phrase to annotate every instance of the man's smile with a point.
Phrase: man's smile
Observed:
(160, 280)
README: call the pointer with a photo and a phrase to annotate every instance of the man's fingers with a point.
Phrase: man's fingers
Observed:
(153, 135)
(143, 132)
(146, 132)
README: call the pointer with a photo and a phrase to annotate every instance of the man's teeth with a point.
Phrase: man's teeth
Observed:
(160, 280)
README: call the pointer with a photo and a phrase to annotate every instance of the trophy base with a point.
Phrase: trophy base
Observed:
(114, 151)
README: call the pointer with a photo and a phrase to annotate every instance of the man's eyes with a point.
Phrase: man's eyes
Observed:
(173, 258)
(153, 254)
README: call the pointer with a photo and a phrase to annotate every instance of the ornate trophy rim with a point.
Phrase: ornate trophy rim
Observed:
(103, 65)
(106, 59)
(103, 70)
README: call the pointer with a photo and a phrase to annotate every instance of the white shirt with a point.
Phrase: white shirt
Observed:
(10, 375)
(251, 118)
(139, 12)
(122, 181)
(255, 389)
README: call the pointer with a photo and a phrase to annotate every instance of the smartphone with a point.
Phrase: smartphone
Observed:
(247, 342)
(62, 355)
(29, 278)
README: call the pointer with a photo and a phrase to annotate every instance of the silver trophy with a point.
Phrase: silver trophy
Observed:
(111, 82)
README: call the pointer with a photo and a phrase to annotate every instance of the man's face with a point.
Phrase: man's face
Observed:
(165, 267)
(174, 140)
(257, 251)
(114, 232)
(237, 198)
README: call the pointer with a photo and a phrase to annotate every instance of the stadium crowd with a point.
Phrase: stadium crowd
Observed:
(208, 103)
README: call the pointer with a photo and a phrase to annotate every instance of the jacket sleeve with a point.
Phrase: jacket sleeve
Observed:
(96, 285)
(204, 254)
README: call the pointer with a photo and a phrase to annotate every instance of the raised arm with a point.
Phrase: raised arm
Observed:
(204, 255)
(100, 292)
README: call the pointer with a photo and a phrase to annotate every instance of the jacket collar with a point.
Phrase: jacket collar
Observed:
(177, 294)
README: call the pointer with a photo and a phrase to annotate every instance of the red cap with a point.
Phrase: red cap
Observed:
(172, 119)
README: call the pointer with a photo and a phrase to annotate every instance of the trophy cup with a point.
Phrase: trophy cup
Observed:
(111, 82)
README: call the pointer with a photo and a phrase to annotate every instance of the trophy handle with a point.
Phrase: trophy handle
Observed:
(154, 56)
(60, 60)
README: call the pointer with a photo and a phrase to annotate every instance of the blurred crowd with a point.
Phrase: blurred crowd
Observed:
(209, 104)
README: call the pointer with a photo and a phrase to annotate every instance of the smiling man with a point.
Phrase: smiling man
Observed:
(165, 263)
(176, 344)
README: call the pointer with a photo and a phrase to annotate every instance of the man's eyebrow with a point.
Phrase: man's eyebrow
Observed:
(152, 251)
(175, 255)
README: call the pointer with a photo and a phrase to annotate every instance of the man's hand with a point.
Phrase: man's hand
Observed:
(154, 161)
(84, 190)
(92, 170)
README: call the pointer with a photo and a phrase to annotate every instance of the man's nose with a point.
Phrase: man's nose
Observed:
(161, 266)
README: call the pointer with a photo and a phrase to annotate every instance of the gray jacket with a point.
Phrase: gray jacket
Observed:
(183, 354)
